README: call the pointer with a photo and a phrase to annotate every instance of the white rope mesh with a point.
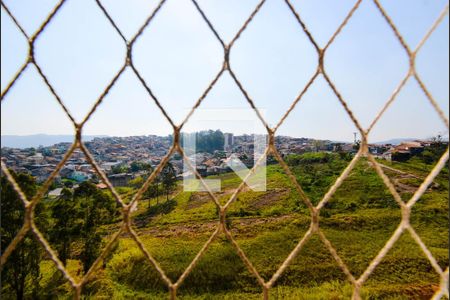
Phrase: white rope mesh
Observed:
(412, 74)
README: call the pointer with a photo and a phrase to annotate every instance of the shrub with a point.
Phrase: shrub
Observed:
(162, 208)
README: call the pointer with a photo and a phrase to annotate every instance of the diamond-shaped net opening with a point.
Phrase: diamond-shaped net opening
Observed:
(315, 235)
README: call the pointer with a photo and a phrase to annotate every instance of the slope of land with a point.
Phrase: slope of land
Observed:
(358, 220)
(36, 140)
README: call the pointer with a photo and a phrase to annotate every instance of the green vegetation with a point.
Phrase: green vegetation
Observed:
(165, 183)
(135, 166)
(358, 220)
(21, 272)
(72, 224)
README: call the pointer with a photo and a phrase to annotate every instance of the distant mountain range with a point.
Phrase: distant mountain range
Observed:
(396, 141)
(403, 140)
(36, 140)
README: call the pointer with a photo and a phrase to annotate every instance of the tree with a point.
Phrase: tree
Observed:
(96, 208)
(317, 145)
(91, 248)
(140, 180)
(153, 189)
(65, 228)
(120, 169)
(137, 182)
(23, 263)
(137, 166)
(168, 179)
(357, 145)
(434, 152)
(437, 139)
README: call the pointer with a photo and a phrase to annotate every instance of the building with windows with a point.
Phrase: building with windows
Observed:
(229, 141)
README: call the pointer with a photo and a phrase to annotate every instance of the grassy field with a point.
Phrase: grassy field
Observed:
(358, 221)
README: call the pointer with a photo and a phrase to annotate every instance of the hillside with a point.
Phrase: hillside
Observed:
(36, 140)
(358, 221)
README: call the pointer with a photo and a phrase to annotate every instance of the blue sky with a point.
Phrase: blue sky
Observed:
(178, 56)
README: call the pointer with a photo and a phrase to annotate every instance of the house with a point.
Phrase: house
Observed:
(101, 186)
(405, 151)
(387, 155)
(412, 147)
(107, 166)
(38, 158)
(202, 170)
(120, 179)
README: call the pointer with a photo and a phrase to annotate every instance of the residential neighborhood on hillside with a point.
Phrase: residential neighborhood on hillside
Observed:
(116, 156)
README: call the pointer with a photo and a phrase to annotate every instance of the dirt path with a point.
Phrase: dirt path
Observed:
(409, 175)
(402, 187)
(239, 227)
(201, 198)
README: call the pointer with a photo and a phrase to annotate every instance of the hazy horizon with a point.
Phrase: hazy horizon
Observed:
(45, 140)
